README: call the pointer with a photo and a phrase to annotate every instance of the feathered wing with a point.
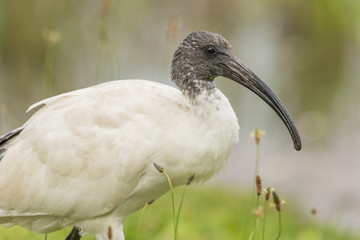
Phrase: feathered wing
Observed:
(6, 139)
(74, 159)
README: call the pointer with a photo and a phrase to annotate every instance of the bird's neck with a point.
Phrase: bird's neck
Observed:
(190, 80)
(192, 88)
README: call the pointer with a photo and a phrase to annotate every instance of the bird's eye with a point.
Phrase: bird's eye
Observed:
(210, 50)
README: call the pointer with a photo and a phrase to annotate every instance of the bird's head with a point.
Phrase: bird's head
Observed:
(203, 56)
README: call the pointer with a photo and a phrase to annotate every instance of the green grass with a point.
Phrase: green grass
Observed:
(209, 214)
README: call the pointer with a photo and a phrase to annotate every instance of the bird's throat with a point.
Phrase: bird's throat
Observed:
(193, 88)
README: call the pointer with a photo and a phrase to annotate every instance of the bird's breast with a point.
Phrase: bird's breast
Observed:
(196, 140)
(204, 142)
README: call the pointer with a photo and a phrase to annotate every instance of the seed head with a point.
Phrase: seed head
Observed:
(51, 37)
(257, 135)
(190, 179)
(313, 211)
(173, 27)
(267, 194)
(158, 167)
(258, 185)
(276, 201)
(109, 232)
(150, 201)
(105, 6)
(259, 212)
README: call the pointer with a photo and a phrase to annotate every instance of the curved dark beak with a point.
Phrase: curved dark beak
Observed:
(234, 69)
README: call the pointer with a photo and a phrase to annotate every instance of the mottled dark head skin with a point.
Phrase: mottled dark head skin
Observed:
(195, 66)
(203, 56)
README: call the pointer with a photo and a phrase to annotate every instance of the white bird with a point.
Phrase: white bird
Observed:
(85, 158)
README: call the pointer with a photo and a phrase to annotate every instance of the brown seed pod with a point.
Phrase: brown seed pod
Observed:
(267, 194)
(150, 201)
(276, 201)
(258, 185)
(190, 179)
(158, 167)
(109, 232)
(313, 211)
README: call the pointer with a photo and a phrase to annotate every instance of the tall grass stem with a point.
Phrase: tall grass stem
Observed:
(257, 163)
(48, 71)
(140, 220)
(172, 202)
(179, 210)
(51, 38)
(264, 222)
(258, 193)
(279, 234)
(188, 182)
(257, 135)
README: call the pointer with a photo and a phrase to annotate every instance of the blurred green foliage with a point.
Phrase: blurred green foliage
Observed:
(210, 214)
(321, 34)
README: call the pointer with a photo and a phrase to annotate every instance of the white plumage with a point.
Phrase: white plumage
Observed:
(89, 154)
(85, 158)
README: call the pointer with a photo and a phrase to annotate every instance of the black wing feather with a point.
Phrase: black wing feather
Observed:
(7, 137)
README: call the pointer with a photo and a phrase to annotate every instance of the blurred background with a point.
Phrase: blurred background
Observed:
(308, 52)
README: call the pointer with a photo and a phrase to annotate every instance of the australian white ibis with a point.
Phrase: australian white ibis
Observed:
(85, 158)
